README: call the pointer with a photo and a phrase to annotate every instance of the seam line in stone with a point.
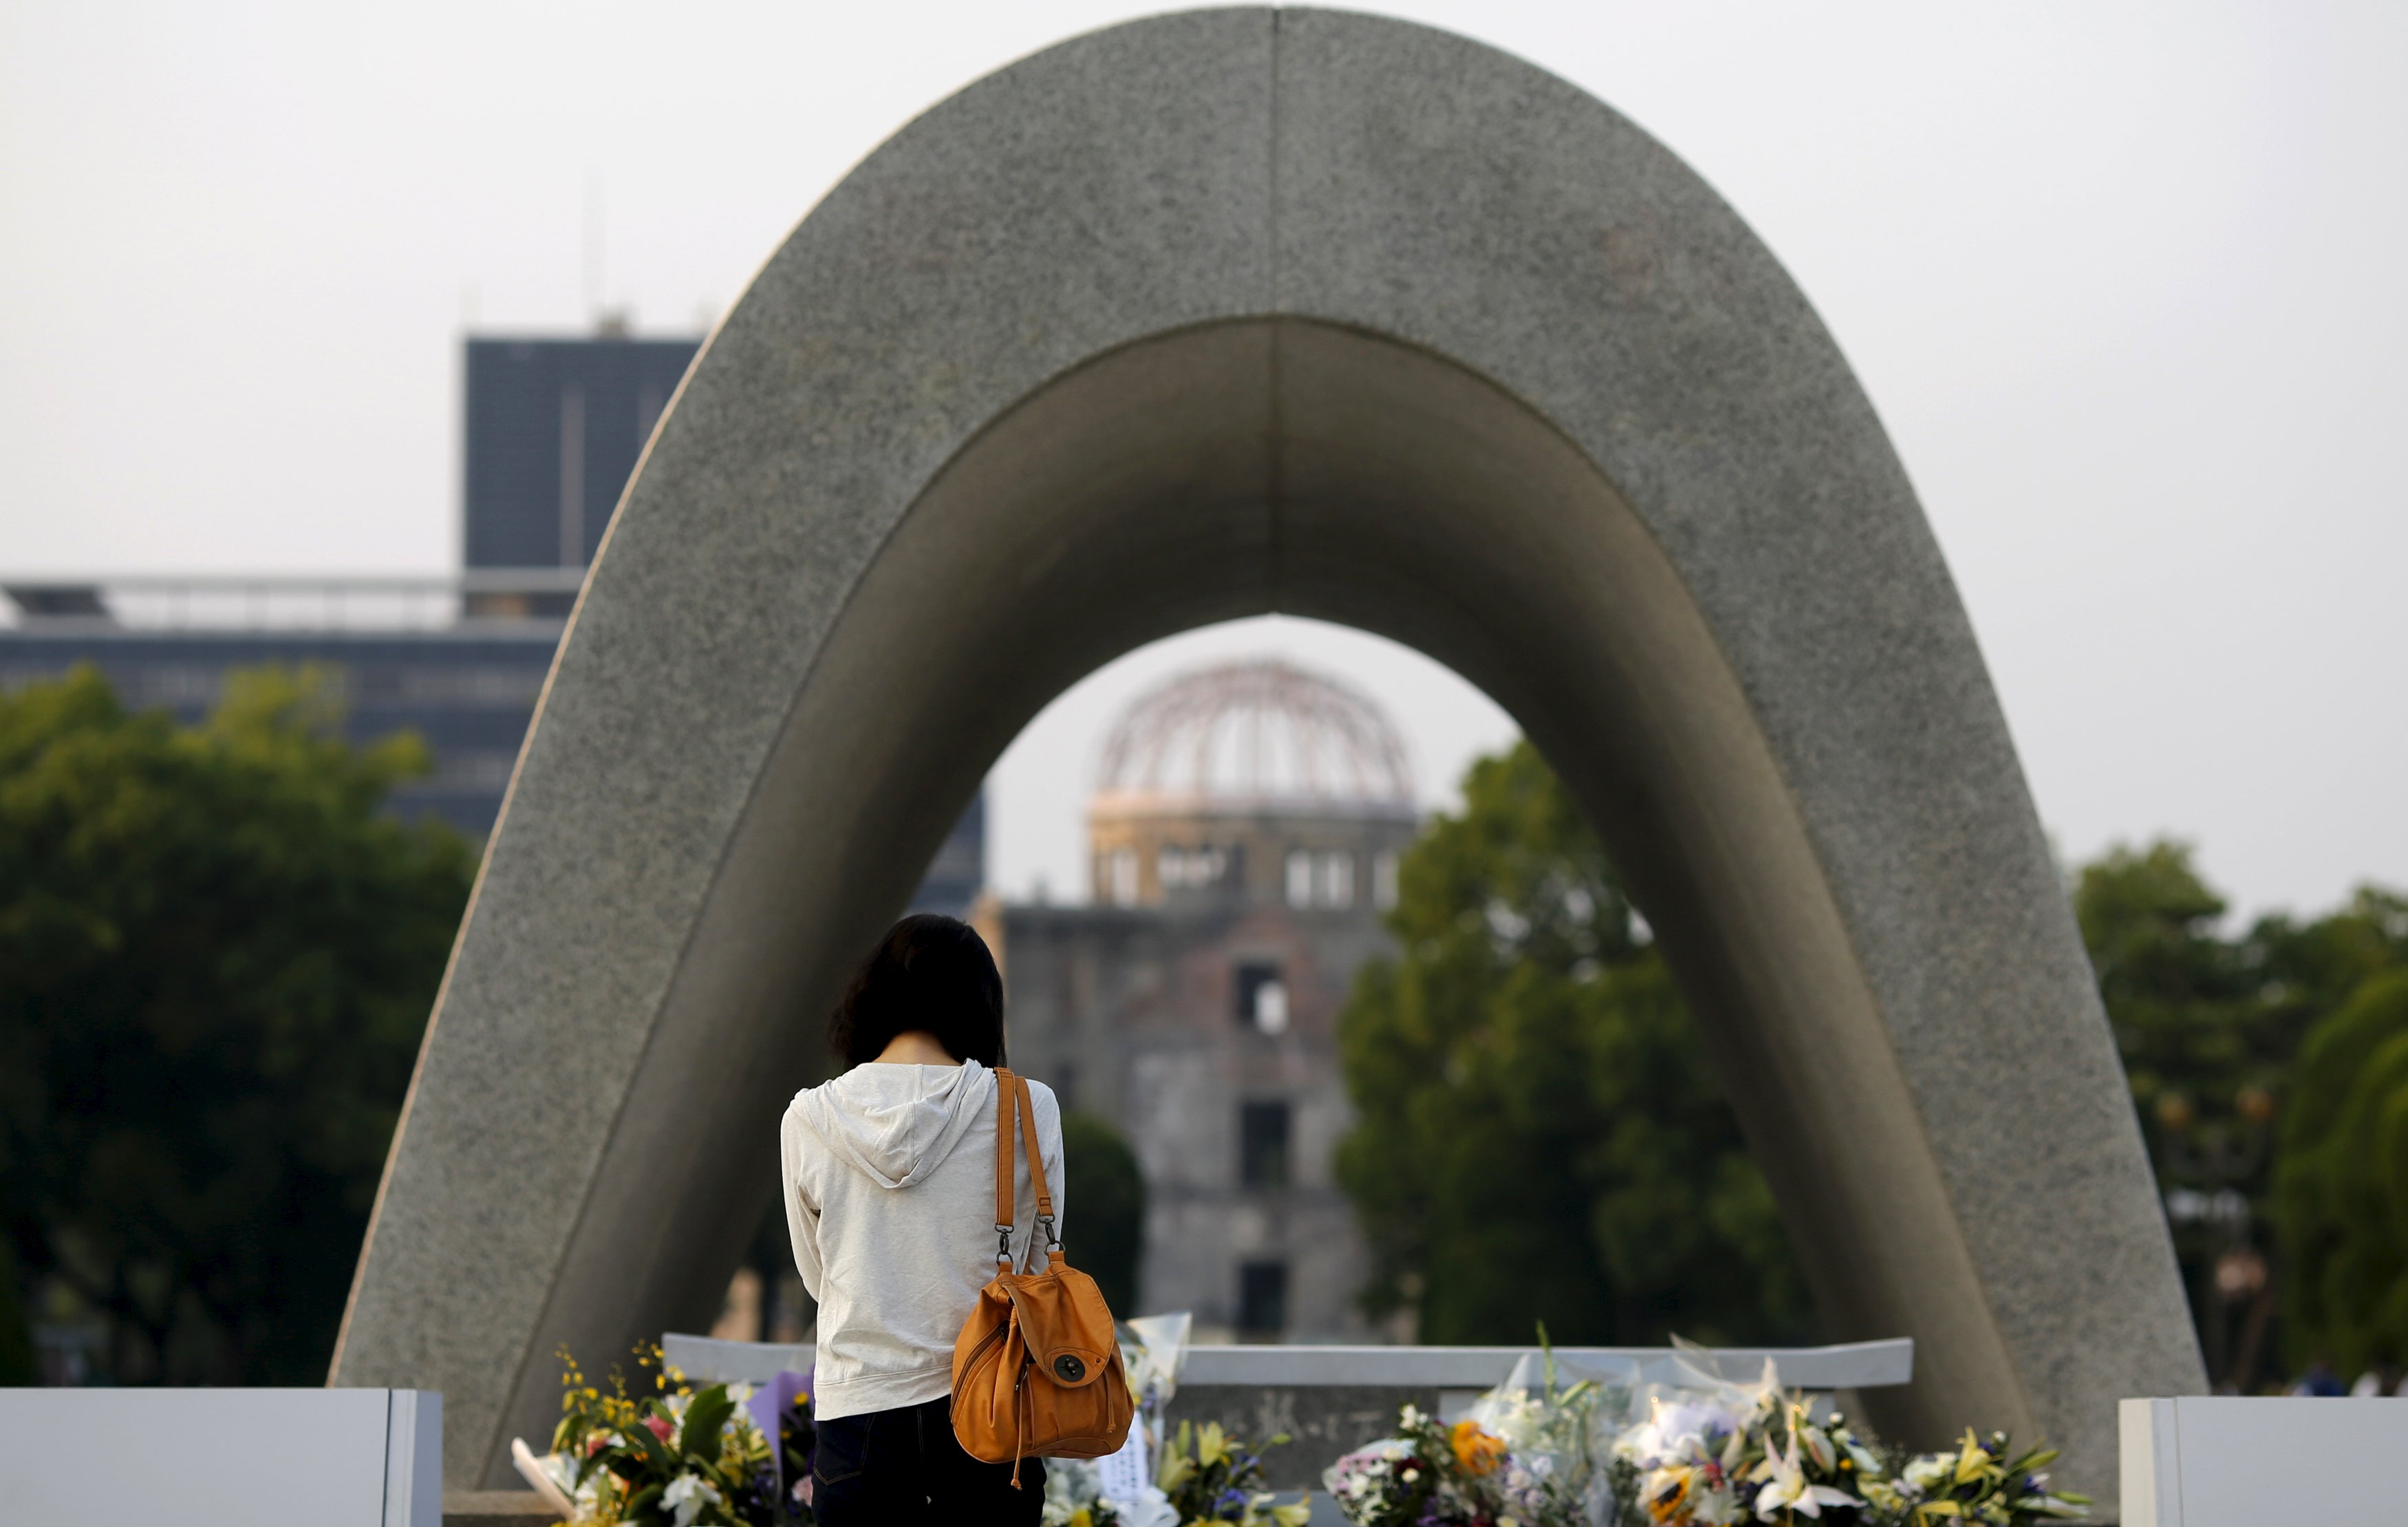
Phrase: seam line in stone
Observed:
(1275, 445)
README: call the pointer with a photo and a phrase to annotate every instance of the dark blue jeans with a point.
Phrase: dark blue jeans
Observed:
(905, 1467)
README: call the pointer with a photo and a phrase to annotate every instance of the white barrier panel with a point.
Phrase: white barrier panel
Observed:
(2222, 1460)
(1854, 1365)
(222, 1458)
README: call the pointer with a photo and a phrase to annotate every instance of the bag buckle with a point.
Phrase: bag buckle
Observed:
(1003, 1241)
(1053, 1241)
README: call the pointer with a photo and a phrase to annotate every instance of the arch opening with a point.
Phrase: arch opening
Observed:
(1251, 466)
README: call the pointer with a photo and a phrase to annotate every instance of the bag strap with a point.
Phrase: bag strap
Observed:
(1004, 1096)
(1011, 1097)
(1036, 1158)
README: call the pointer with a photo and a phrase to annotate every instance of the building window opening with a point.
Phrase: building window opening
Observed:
(1263, 1144)
(1119, 877)
(1262, 1300)
(1262, 997)
(1336, 881)
(1299, 878)
(1190, 869)
(1383, 881)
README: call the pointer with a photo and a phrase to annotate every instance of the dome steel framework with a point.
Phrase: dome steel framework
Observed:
(1262, 730)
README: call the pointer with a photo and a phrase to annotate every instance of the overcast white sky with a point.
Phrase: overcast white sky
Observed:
(2123, 280)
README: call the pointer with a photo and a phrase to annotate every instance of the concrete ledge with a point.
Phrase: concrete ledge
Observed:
(1851, 1365)
(496, 1508)
(732, 1362)
(1856, 1366)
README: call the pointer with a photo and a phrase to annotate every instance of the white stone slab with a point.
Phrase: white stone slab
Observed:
(1851, 1365)
(222, 1458)
(2222, 1460)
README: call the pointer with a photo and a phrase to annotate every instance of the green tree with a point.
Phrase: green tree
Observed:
(2341, 1197)
(2209, 1027)
(216, 962)
(2182, 999)
(1537, 1136)
(1107, 1192)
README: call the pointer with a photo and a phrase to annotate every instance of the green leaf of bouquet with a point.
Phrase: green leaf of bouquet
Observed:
(644, 1504)
(704, 1416)
(623, 1462)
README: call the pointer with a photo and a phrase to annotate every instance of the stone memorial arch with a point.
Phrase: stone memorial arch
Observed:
(1198, 317)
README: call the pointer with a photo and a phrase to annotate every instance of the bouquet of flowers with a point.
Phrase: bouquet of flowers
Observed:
(1429, 1475)
(1734, 1454)
(1708, 1453)
(1527, 1455)
(1211, 1476)
(674, 1457)
(1980, 1482)
(1553, 1439)
(1713, 1452)
(1074, 1496)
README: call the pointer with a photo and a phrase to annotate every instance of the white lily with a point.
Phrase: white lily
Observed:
(686, 1496)
(1788, 1492)
(1718, 1508)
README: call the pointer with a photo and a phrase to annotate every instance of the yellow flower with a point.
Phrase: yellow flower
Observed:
(1973, 1464)
(1475, 1450)
(1670, 1499)
(1177, 1462)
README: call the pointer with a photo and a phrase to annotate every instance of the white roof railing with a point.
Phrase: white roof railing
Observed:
(286, 601)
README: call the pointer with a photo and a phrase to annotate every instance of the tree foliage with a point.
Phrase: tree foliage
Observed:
(1537, 1136)
(216, 961)
(2341, 1195)
(2213, 1029)
(1103, 1207)
(2200, 1019)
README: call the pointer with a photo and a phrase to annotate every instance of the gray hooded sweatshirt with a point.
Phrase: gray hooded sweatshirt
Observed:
(890, 1198)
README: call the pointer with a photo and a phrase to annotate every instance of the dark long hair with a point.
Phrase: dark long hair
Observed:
(929, 973)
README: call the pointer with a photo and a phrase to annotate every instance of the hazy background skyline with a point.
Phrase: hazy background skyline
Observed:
(2118, 280)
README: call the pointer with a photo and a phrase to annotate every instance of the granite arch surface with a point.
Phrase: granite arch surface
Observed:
(1211, 314)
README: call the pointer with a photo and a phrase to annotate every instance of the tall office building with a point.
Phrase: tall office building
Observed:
(553, 433)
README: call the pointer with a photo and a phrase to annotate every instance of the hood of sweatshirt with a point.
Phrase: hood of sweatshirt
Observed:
(897, 1123)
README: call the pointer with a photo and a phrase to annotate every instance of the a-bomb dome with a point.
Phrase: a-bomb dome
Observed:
(1262, 734)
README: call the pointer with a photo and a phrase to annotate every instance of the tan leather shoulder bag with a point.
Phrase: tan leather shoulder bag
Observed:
(1037, 1369)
